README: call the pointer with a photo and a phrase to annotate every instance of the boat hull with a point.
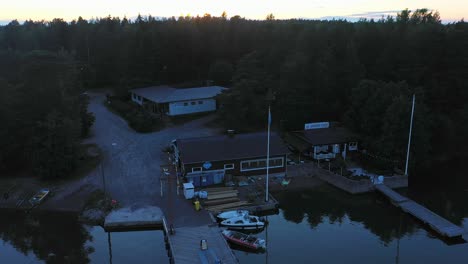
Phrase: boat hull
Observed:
(241, 240)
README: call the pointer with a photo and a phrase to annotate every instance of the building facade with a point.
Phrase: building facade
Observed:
(211, 160)
(172, 102)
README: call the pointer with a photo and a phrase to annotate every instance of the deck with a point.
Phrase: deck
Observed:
(185, 246)
(436, 222)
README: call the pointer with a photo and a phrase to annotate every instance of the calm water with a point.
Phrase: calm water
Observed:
(59, 238)
(328, 226)
(323, 225)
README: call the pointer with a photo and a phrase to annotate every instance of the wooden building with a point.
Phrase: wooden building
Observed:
(323, 143)
(208, 160)
(172, 101)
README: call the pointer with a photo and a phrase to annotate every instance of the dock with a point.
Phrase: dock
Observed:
(436, 222)
(184, 245)
(131, 219)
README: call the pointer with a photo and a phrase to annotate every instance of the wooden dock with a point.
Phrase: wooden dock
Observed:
(185, 246)
(436, 222)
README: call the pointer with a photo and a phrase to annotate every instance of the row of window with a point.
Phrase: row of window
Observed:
(260, 164)
(249, 165)
(193, 103)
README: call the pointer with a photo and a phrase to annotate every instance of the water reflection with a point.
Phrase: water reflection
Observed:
(324, 204)
(49, 237)
(326, 225)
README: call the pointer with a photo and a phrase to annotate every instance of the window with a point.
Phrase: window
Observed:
(229, 166)
(200, 102)
(185, 104)
(193, 103)
(196, 169)
(203, 178)
(260, 164)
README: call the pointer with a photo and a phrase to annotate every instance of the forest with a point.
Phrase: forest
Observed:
(362, 74)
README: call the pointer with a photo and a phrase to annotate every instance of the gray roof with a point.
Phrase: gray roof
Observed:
(225, 147)
(166, 94)
(325, 136)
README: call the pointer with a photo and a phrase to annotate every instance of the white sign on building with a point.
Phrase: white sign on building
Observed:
(317, 125)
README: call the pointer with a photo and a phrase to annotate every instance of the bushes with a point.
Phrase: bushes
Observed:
(137, 118)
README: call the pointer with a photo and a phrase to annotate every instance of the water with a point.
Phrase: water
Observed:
(60, 238)
(323, 225)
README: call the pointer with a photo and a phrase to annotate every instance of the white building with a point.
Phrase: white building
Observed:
(172, 101)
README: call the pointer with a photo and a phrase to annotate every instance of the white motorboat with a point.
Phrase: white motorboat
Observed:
(246, 222)
(232, 214)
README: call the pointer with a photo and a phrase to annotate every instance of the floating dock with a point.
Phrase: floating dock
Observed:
(436, 222)
(184, 246)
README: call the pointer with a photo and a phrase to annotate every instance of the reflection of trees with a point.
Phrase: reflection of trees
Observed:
(450, 205)
(52, 237)
(326, 203)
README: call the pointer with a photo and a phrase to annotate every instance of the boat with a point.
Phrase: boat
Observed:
(231, 214)
(246, 222)
(39, 197)
(244, 240)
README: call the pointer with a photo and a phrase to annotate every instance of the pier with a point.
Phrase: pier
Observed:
(436, 222)
(185, 248)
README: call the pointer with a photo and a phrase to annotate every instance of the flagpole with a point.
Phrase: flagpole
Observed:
(409, 137)
(268, 154)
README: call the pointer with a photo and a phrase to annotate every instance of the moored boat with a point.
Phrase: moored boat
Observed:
(244, 240)
(39, 196)
(232, 214)
(246, 222)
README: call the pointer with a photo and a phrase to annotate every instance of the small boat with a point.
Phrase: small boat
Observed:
(231, 214)
(246, 222)
(39, 197)
(244, 240)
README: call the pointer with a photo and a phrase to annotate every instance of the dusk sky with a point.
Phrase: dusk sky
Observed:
(450, 10)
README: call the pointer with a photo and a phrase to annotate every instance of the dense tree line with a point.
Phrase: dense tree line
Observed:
(362, 73)
(43, 113)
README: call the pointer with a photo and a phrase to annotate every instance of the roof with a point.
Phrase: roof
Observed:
(325, 136)
(166, 94)
(226, 147)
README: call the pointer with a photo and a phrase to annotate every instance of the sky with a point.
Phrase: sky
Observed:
(450, 10)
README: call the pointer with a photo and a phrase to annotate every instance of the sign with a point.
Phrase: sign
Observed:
(309, 126)
(207, 165)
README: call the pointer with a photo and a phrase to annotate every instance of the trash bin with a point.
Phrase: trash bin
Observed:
(189, 190)
(197, 205)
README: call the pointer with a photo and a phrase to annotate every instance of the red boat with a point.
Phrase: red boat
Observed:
(244, 240)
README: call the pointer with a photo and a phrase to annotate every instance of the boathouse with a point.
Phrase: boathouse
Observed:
(322, 141)
(209, 160)
(173, 101)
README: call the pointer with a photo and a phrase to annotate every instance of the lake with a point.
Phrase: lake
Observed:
(322, 225)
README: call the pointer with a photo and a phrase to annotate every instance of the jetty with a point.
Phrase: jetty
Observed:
(436, 222)
(184, 245)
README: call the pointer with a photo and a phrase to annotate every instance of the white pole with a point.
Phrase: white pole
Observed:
(409, 137)
(268, 154)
